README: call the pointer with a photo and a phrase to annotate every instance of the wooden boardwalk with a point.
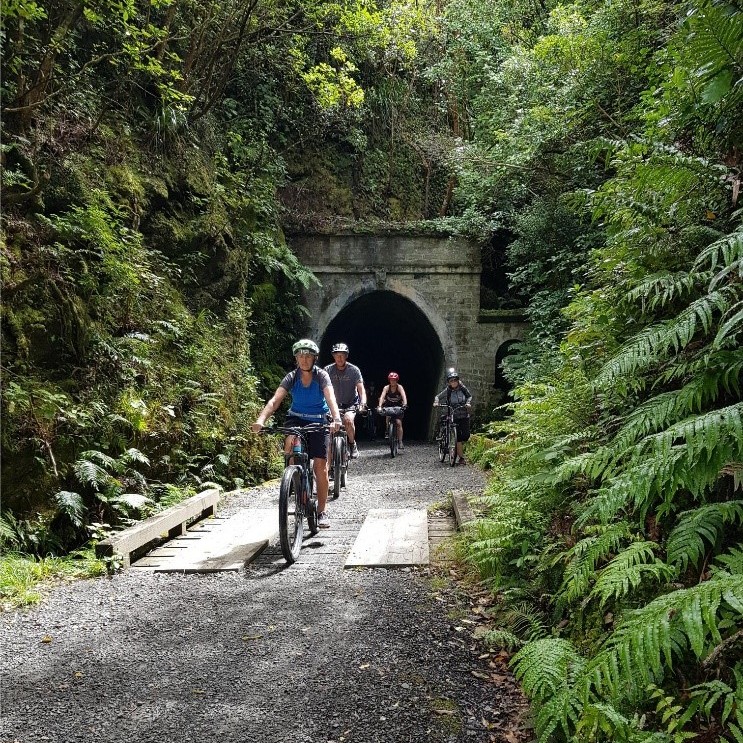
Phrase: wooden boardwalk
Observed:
(215, 544)
(389, 538)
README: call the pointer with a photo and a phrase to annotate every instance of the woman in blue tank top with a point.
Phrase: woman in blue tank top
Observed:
(312, 399)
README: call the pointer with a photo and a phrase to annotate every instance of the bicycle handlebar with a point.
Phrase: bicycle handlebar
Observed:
(296, 430)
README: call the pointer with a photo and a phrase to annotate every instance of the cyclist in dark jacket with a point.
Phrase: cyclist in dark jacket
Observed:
(456, 393)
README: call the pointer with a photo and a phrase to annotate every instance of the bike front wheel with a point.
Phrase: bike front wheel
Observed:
(443, 446)
(337, 467)
(392, 433)
(452, 445)
(291, 513)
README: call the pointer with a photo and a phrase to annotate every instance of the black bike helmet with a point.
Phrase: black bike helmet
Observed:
(451, 374)
(340, 348)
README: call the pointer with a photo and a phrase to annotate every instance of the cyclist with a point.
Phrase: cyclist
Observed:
(312, 397)
(393, 395)
(456, 393)
(348, 385)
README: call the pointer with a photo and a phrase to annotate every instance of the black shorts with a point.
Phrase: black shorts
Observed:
(463, 429)
(317, 441)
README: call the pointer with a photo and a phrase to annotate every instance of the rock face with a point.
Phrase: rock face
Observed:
(405, 303)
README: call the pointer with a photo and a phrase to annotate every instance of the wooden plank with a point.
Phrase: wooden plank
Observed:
(227, 545)
(168, 522)
(462, 509)
(391, 537)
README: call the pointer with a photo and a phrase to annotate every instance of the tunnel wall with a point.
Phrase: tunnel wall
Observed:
(439, 275)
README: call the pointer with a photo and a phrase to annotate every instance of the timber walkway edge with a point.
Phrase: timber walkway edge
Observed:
(170, 523)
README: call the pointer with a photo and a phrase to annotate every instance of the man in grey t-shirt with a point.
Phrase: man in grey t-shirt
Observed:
(348, 385)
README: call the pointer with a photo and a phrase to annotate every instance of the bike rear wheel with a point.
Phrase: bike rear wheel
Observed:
(452, 444)
(337, 466)
(291, 513)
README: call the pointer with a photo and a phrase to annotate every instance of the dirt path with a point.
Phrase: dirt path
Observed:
(309, 654)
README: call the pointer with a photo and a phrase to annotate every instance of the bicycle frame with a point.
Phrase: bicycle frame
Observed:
(448, 437)
(296, 498)
(340, 455)
(391, 430)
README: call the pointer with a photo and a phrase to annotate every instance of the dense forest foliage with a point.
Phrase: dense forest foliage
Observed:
(153, 157)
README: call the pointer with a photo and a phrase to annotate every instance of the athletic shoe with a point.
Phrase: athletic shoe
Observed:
(323, 521)
(462, 460)
(401, 446)
(354, 451)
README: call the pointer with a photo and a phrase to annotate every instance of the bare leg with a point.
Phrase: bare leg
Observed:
(348, 420)
(320, 467)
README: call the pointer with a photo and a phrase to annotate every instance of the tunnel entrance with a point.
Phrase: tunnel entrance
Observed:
(387, 332)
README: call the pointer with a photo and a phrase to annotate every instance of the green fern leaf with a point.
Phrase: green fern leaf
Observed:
(633, 566)
(732, 561)
(686, 543)
(721, 257)
(648, 639)
(71, 504)
(89, 473)
(585, 556)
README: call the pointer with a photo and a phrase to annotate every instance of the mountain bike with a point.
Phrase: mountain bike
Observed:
(340, 455)
(296, 498)
(448, 435)
(392, 414)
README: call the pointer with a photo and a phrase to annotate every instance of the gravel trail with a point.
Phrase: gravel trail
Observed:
(307, 654)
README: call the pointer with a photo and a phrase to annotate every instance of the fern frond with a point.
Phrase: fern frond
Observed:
(720, 256)
(544, 666)
(686, 543)
(661, 288)
(104, 460)
(89, 473)
(604, 718)
(548, 670)
(654, 343)
(71, 504)
(632, 489)
(525, 621)
(649, 639)
(633, 566)
(585, 556)
(502, 638)
(134, 456)
(705, 434)
(732, 324)
(668, 408)
(732, 560)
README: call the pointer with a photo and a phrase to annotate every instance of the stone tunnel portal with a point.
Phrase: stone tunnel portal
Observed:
(387, 332)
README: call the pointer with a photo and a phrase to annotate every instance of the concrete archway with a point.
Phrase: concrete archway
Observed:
(386, 331)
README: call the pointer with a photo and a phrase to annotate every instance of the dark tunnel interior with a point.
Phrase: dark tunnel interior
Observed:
(387, 332)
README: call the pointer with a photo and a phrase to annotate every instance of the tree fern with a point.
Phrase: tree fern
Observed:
(686, 543)
(634, 565)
